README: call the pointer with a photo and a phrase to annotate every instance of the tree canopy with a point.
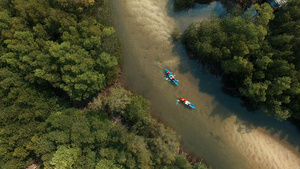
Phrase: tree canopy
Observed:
(257, 52)
(50, 46)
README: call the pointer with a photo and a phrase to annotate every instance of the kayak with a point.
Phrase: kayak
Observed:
(171, 77)
(183, 100)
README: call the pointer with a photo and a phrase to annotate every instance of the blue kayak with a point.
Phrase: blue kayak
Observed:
(171, 77)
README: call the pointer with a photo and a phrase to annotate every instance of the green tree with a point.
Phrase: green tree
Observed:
(118, 99)
(65, 157)
(138, 109)
(237, 65)
(31, 11)
(165, 144)
(139, 148)
(182, 162)
(106, 62)
(265, 14)
(24, 107)
(107, 164)
(97, 103)
(78, 78)
(79, 4)
(5, 20)
(256, 91)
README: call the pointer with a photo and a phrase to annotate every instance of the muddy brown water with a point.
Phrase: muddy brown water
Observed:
(220, 130)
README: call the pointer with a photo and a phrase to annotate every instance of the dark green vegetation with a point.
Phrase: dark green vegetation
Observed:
(259, 57)
(58, 53)
(183, 4)
(70, 52)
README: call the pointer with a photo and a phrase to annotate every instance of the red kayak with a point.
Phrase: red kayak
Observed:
(183, 100)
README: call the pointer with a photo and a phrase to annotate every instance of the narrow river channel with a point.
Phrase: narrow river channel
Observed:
(220, 130)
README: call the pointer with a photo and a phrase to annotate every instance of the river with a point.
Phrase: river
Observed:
(220, 130)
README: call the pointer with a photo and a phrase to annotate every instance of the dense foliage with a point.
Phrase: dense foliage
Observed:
(261, 61)
(49, 46)
(36, 126)
(65, 48)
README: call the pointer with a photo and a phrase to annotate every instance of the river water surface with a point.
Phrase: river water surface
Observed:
(220, 130)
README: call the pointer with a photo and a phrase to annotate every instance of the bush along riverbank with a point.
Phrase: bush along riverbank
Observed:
(257, 55)
(55, 57)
